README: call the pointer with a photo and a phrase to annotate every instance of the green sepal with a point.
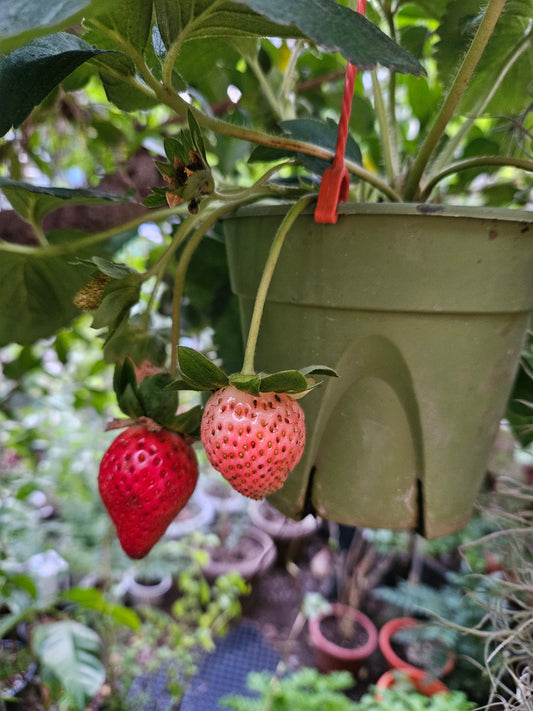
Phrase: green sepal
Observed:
(186, 422)
(196, 135)
(319, 370)
(156, 199)
(181, 384)
(198, 371)
(247, 383)
(136, 343)
(175, 149)
(125, 387)
(285, 381)
(119, 296)
(115, 270)
(157, 403)
(167, 169)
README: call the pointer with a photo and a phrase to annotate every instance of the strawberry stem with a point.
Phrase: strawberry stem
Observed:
(266, 278)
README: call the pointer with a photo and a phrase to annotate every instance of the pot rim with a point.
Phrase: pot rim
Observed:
(337, 610)
(393, 209)
(423, 683)
(384, 638)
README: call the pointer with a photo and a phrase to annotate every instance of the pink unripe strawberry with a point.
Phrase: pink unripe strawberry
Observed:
(145, 479)
(254, 441)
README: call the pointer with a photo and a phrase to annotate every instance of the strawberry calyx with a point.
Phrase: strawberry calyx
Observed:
(199, 373)
(150, 401)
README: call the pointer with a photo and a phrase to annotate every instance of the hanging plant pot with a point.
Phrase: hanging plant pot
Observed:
(342, 638)
(402, 662)
(423, 311)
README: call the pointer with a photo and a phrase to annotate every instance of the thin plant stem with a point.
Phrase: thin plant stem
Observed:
(480, 161)
(188, 251)
(455, 92)
(381, 114)
(266, 278)
(57, 250)
(181, 107)
(447, 153)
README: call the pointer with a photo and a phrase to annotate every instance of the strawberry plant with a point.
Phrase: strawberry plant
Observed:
(160, 62)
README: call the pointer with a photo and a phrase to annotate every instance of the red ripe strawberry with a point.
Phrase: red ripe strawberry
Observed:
(254, 441)
(145, 479)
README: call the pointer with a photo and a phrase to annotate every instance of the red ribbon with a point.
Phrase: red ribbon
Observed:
(335, 181)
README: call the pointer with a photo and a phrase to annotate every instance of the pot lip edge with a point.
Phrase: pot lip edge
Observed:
(346, 653)
(261, 209)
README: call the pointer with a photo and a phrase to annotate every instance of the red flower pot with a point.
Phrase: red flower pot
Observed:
(385, 644)
(331, 656)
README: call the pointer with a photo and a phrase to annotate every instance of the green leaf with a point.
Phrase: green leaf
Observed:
(93, 599)
(197, 19)
(456, 30)
(286, 381)
(131, 19)
(119, 296)
(67, 650)
(22, 20)
(37, 295)
(168, 17)
(199, 370)
(33, 202)
(315, 132)
(338, 29)
(137, 344)
(118, 75)
(116, 270)
(157, 402)
(28, 74)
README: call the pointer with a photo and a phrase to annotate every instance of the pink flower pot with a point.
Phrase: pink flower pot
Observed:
(331, 656)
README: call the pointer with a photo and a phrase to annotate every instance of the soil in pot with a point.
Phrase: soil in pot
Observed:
(342, 643)
(344, 632)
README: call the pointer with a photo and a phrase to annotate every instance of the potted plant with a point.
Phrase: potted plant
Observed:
(343, 638)
(416, 679)
(386, 400)
(342, 635)
(431, 656)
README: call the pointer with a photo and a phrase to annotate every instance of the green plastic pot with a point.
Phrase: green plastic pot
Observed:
(423, 311)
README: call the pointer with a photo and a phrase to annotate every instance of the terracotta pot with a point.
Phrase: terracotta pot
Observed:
(422, 682)
(255, 553)
(330, 656)
(385, 644)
